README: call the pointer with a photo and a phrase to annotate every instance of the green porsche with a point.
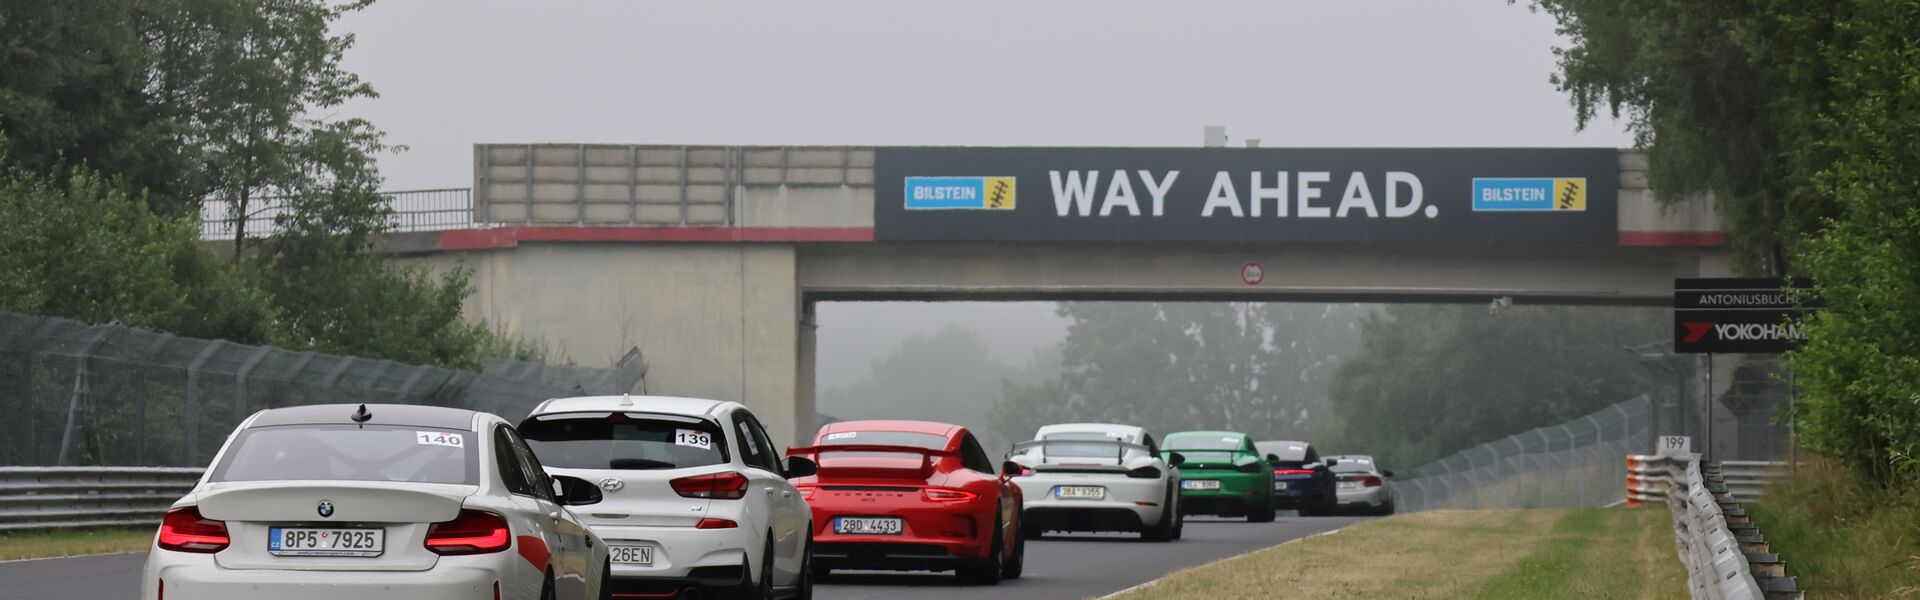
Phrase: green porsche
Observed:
(1223, 475)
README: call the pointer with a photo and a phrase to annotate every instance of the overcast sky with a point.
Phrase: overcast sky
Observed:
(981, 72)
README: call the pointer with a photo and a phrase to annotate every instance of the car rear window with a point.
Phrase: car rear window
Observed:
(350, 453)
(1353, 465)
(1082, 450)
(1204, 442)
(1287, 451)
(624, 441)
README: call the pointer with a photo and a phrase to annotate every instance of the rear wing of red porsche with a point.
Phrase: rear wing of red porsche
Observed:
(830, 448)
(873, 471)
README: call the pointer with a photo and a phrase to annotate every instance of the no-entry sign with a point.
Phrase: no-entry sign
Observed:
(1252, 273)
(1739, 315)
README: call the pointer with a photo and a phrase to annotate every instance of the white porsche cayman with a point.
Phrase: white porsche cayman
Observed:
(1097, 477)
(375, 501)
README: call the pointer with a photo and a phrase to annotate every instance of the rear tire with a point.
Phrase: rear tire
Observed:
(1263, 512)
(1167, 529)
(546, 587)
(766, 573)
(803, 587)
(989, 570)
(606, 581)
(1018, 564)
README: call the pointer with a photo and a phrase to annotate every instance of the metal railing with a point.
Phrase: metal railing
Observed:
(413, 210)
(89, 497)
(1725, 554)
(1576, 463)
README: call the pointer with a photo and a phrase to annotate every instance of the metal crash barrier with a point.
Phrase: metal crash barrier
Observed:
(1726, 556)
(89, 497)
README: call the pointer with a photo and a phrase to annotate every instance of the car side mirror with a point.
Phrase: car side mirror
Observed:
(1386, 473)
(1011, 469)
(801, 466)
(1333, 461)
(574, 491)
(1273, 458)
(1176, 459)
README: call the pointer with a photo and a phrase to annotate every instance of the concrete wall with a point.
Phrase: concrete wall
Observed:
(715, 321)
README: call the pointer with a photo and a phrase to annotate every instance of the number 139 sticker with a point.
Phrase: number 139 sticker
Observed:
(438, 438)
(693, 437)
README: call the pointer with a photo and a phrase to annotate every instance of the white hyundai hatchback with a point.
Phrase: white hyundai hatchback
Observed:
(1090, 477)
(375, 501)
(696, 495)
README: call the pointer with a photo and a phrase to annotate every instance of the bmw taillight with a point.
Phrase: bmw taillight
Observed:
(726, 485)
(1370, 481)
(1146, 472)
(473, 532)
(184, 530)
(948, 495)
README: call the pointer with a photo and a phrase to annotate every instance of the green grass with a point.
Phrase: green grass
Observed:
(1842, 537)
(1583, 553)
(51, 544)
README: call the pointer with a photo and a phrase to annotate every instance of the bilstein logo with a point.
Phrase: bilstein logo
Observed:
(1542, 194)
(961, 193)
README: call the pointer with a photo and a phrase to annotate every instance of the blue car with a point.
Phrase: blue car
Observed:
(1301, 480)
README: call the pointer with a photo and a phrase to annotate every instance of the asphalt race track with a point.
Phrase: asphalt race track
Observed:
(1057, 567)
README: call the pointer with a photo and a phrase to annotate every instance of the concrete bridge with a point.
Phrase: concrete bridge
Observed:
(710, 259)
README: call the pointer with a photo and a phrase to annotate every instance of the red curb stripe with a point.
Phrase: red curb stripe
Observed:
(508, 237)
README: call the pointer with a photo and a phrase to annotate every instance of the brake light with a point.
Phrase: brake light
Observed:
(806, 491)
(726, 485)
(1370, 481)
(1293, 471)
(473, 532)
(947, 495)
(184, 530)
(1146, 472)
(712, 523)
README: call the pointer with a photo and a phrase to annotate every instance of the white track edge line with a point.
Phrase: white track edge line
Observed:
(21, 560)
(1156, 580)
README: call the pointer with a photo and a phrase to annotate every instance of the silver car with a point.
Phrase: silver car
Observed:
(1361, 485)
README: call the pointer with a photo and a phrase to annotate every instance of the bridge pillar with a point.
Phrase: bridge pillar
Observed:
(721, 321)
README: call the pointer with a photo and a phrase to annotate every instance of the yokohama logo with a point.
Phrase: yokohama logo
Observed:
(1741, 331)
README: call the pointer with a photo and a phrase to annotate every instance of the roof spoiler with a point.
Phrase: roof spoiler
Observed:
(1120, 447)
(927, 452)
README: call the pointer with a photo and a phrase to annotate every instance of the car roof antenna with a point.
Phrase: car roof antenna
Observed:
(362, 416)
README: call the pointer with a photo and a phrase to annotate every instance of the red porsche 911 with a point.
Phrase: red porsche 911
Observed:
(911, 496)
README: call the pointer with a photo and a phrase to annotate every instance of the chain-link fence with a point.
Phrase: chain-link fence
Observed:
(1750, 417)
(1578, 463)
(76, 394)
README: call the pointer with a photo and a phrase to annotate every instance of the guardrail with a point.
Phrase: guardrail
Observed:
(89, 497)
(413, 210)
(1726, 556)
(1747, 478)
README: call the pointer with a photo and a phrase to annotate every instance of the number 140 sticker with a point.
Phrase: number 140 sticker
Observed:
(438, 438)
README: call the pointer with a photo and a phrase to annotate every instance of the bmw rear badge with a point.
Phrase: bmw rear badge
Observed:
(612, 484)
(326, 508)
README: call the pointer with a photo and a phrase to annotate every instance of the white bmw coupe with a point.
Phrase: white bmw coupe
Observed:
(332, 502)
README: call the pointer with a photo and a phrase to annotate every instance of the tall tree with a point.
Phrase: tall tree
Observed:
(1721, 96)
(1257, 368)
(1430, 380)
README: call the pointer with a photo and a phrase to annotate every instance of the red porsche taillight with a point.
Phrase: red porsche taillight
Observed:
(726, 485)
(184, 530)
(947, 495)
(806, 491)
(473, 532)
